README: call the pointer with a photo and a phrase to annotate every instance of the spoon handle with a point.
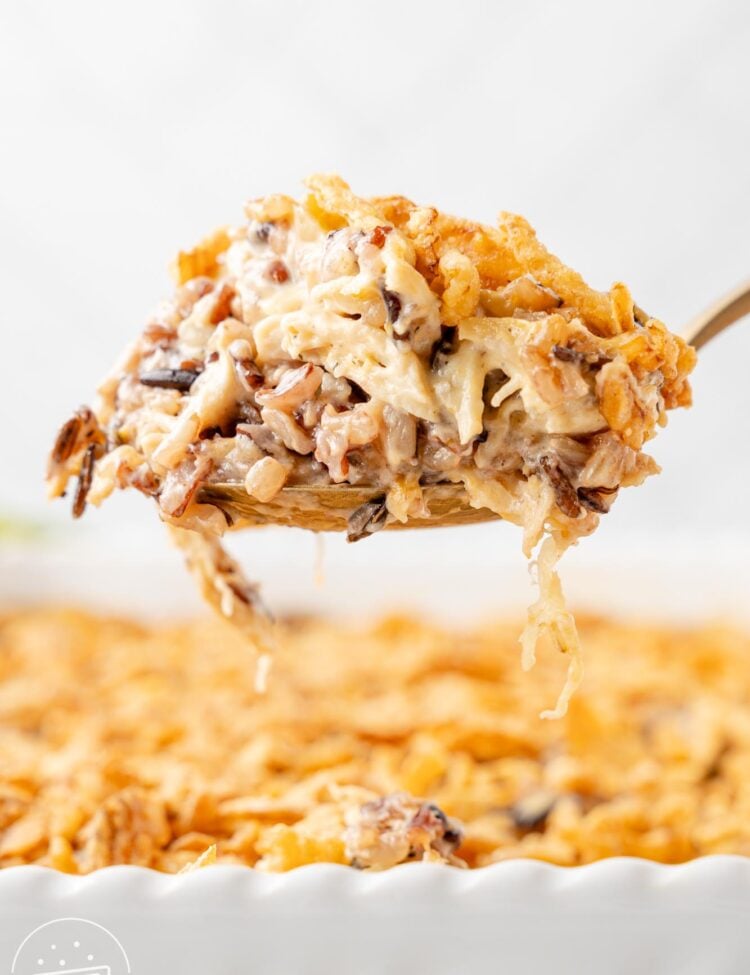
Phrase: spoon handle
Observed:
(720, 315)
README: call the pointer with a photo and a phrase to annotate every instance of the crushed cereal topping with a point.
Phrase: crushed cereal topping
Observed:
(121, 743)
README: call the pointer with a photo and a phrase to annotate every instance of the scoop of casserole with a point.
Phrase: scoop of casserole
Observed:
(380, 344)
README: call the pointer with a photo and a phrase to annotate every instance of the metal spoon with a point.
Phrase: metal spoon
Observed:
(328, 507)
(718, 316)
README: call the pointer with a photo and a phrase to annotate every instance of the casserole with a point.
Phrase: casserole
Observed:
(619, 915)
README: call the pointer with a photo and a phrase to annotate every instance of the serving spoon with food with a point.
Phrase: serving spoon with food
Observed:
(340, 338)
(331, 507)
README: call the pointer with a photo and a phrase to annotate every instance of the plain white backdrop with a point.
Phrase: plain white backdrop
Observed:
(622, 131)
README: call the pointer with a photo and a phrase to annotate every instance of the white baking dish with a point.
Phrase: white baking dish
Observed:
(524, 917)
(617, 917)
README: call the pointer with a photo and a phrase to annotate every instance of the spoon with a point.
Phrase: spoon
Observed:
(718, 316)
(328, 507)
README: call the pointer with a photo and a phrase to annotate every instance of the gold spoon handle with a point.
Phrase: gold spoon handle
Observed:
(723, 313)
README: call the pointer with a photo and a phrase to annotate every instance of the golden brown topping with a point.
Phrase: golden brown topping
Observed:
(129, 827)
(162, 748)
(203, 259)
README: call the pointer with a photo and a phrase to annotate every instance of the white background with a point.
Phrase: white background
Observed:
(622, 131)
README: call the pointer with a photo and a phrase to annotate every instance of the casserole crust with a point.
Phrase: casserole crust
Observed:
(126, 744)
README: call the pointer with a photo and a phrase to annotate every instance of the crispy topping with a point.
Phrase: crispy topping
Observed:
(521, 294)
(204, 260)
(130, 827)
(147, 743)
